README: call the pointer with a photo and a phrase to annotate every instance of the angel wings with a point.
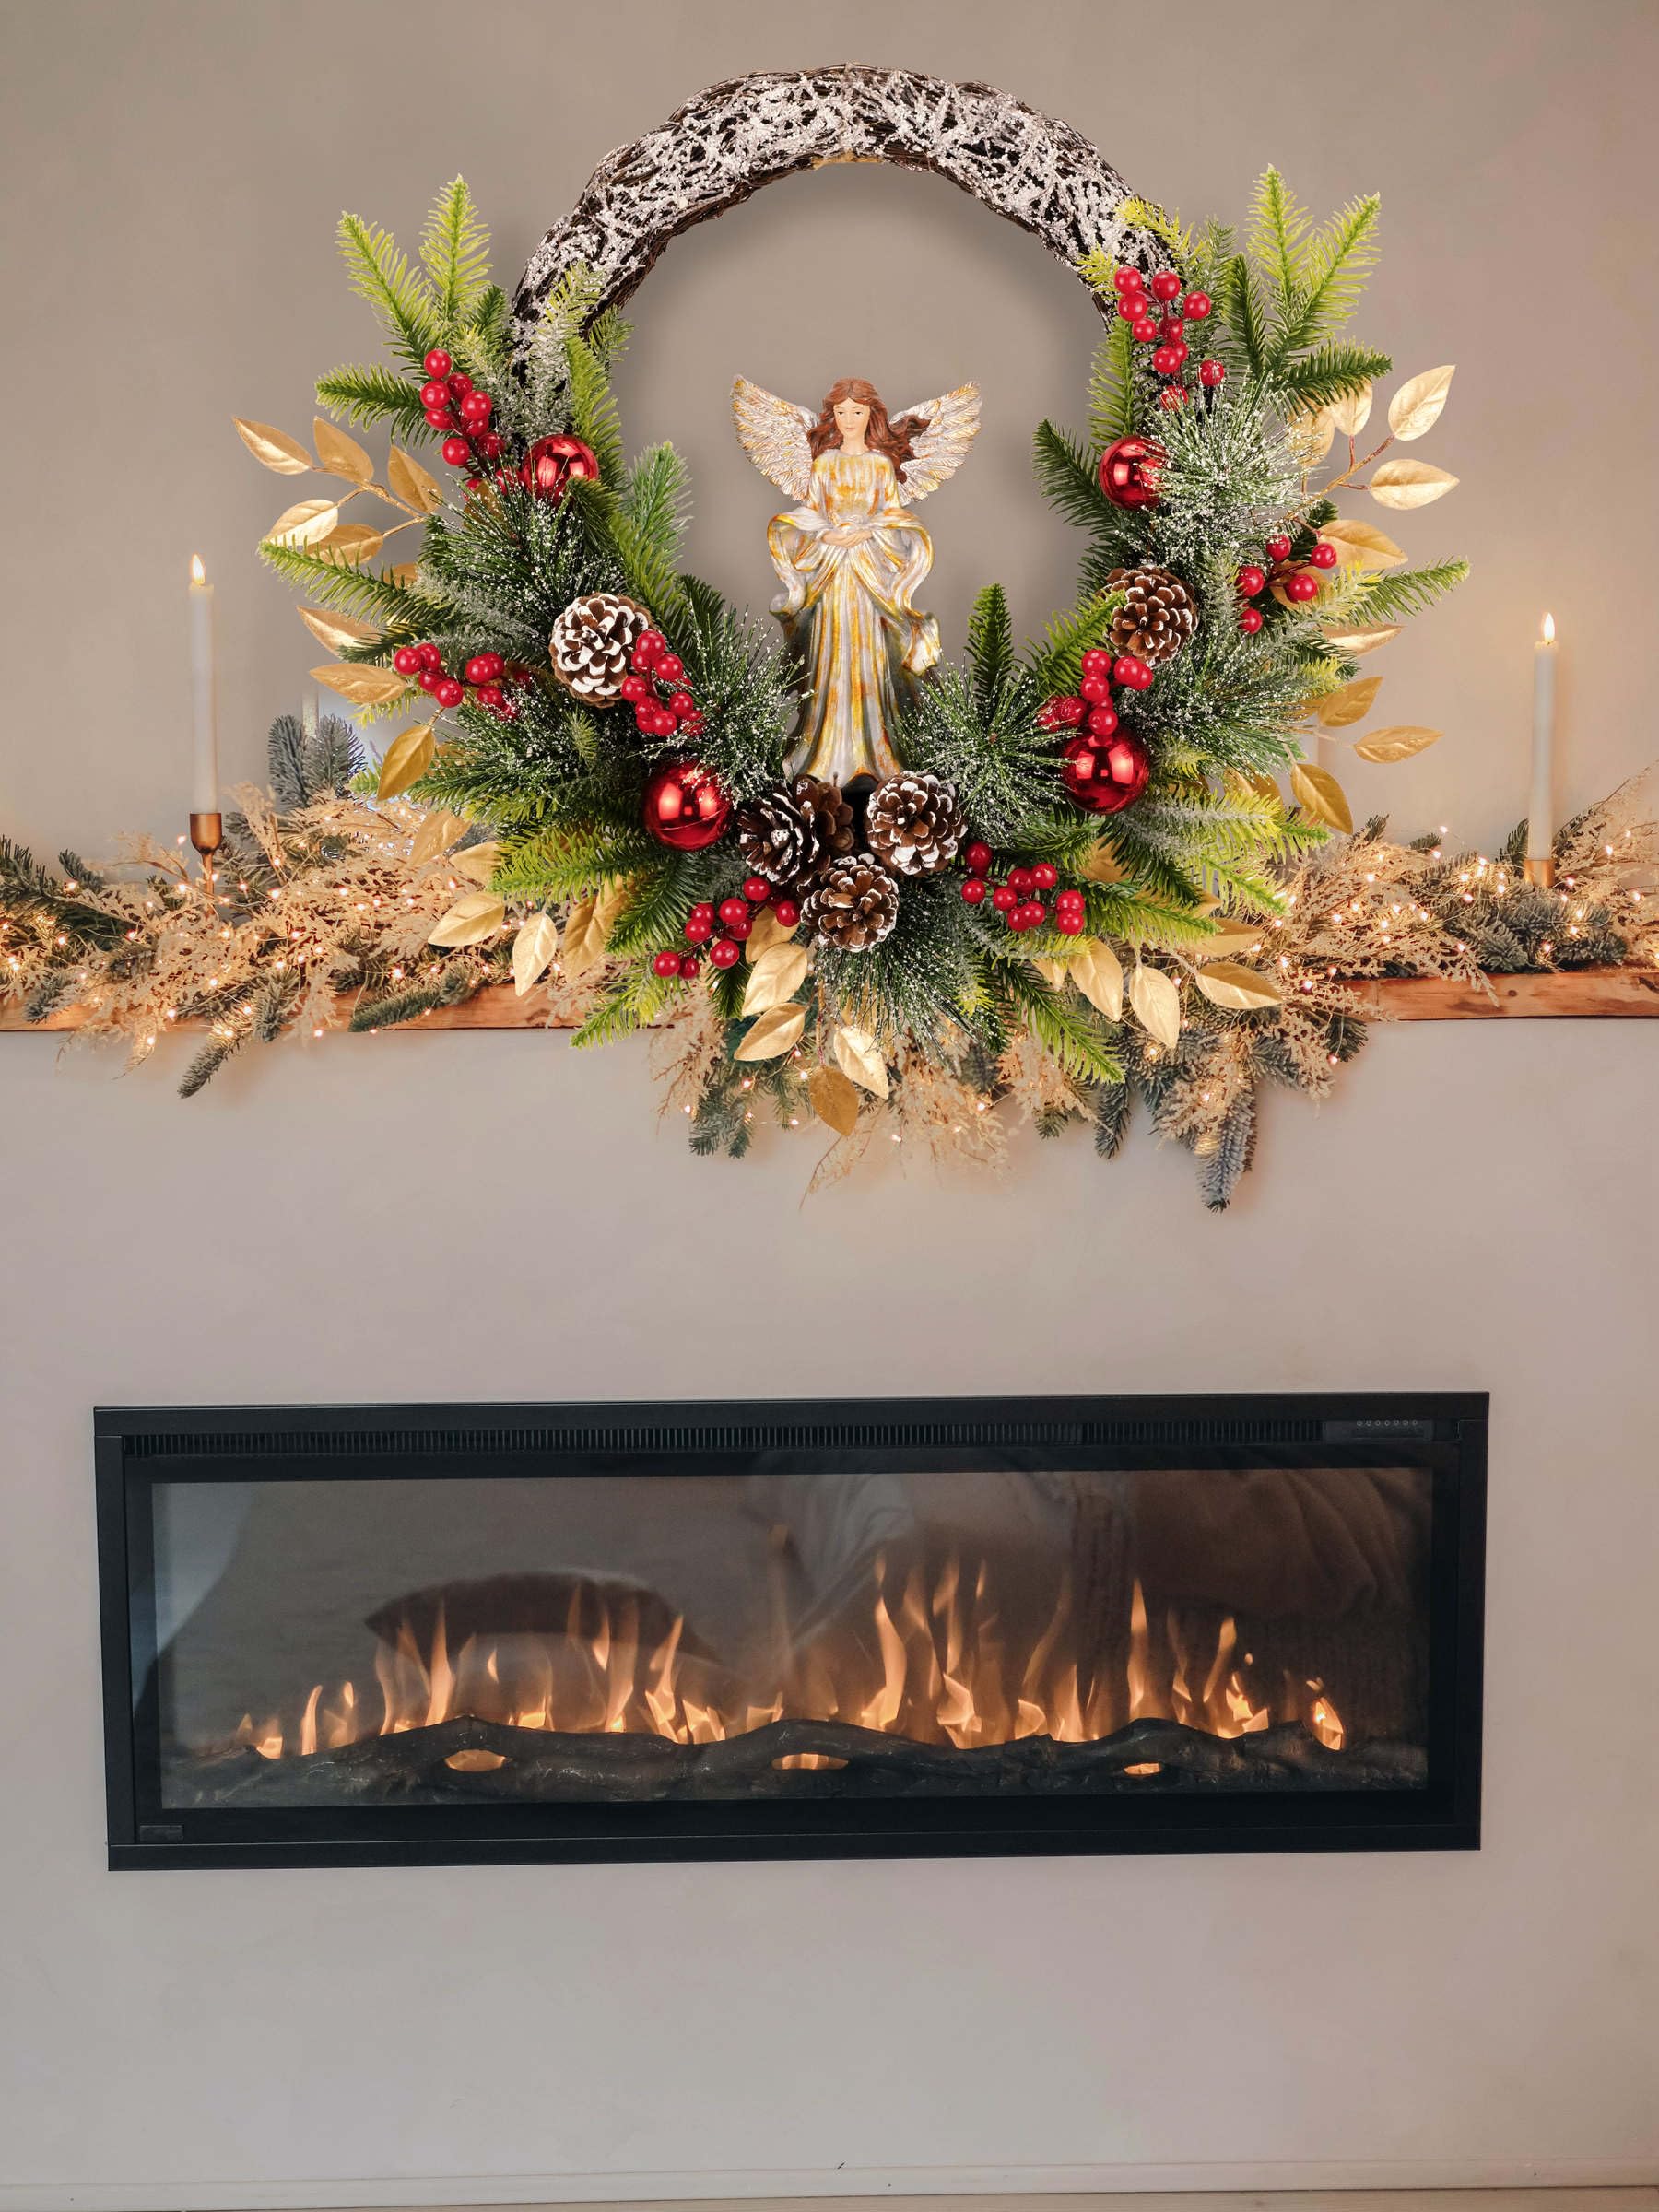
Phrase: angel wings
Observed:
(775, 433)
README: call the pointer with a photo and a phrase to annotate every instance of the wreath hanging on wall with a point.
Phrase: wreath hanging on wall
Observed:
(844, 878)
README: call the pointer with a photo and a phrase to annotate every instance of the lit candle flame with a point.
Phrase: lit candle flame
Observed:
(1547, 631)
(198, 574)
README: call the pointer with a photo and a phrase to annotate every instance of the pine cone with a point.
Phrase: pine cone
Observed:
(853, 907)
(592, 645)
(792, 834)
(914, 823)
(1157, 617)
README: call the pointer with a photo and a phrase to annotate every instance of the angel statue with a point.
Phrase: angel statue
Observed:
(851, 556)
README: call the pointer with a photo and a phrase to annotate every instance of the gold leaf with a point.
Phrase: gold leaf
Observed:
(406, 760)
(337, 631)
(1265, 787)
(352, 542)
(587, 930)
(1362, 543)
(303, 524)
(1310, 435)
(1384, 746)
(474, 917)
(436, 834)
(1099, 975)
(402, 576)
(1321, 797)
(1415, 406)
(1052, 972)
(338, 455)
(1156, 1002)
(834, 1100)
(478, 863)
(411, 482)
(767, 931)
(609, 907)
(1352, 412)
(860, 1058)
(775, 977)
(535, 946)
(1240, 990)
(363, 686)
(1357, 642)
(772, 1034)
(1409, 484)
(1351, 703)
(275, 448)
(1239, 937)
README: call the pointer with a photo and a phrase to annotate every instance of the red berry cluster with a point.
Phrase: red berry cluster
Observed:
(485, 674)
(1160, 321)
(1091, 706)
(722, 928)
(453, 404)
(1015, 897)
(1297, 578)
(655, 688)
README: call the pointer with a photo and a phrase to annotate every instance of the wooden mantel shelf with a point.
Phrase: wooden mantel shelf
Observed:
(1586, 994)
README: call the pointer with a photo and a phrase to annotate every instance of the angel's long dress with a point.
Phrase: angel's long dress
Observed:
(849, 606)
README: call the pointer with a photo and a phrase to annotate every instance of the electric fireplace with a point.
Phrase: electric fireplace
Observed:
(1002, 1625)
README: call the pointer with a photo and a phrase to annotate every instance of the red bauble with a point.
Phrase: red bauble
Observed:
(686, 808)
(1278, 548)
(1165, 285)
(437, 362)
(974, 889)
(1196, 306)
(1302, 586)
(977, 859)
(787, 911)
(1252, 579)
(1250, 621)
(1211, 373)
(666, 963)
(1104, 775)
(1324, 554)
(1129, 471)
(552, 462)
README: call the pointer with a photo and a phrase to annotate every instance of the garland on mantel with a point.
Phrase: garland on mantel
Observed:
(1086, 884)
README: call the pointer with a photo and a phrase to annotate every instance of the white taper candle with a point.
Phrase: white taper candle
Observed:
(204, 693)
(1540, 805)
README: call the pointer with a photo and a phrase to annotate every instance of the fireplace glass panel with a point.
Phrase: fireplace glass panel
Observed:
(801, 1635)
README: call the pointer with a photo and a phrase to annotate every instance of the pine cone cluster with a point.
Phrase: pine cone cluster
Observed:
(854, 906)
(914, 823)
(791, 835)
(592, 645)
(1157, 617)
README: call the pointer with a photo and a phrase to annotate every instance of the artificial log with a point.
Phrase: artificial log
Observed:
(540, 1766)
(724, 145)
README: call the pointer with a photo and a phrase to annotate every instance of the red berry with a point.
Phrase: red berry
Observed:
(1102, 721)
(1018, 917)
(698, 929)
(633, 689)
(435, 395)
(977, 859)
(733, 911)
(756, 889)
(1324, 554)
(430, 658)
(690, 966)
(1048, 714)
(1171, 397)
(1252, 579)
(670, 667)
(492, 697)
(723, 952)
(456, 451)
(787, 911)
(1170, 328)
(476, 408)
(703, 911)
(1278, 548)
(448, 692)
(1070, 923)
(1165, 285)
(1071, 712)
(1128, 280)
(1211, 373)
(681, 704)
(482, 669)
(1069, 901)
(741, 927)
(692, 724)
(1130, 670)
(508, 479)
(496, 669)
(437, 362)
(1021, 880)
(427, 681)
(648, 645)
(1095, 689)
(666, 963)
(1045, 876)
(1096, 661)
(460, 383)
(974, 889)
(1302, 586)
(1250, 621)
(1165, 360)
(1196, 306)
(1143, 330)
(1132, 306)
(1035, 913)
(440, 418)
(407, 660)
(645, 715)
(1004, 898)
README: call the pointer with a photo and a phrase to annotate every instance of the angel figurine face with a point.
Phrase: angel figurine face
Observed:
(851, 556)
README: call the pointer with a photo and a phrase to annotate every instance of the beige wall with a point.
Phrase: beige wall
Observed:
(491, 1217)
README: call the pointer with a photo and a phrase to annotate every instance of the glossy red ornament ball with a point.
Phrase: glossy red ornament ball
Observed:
(1004, 897)
(1143, 330)
(685, 807)
(1165, 285)
(977, 859)
(725, 952)
(731, 911)
(1211, 373)
(1045, 876)
(1128, 281)
(437, 362)
(552, 463)
(1103, 776)
(1302, 586)
(1129, 471)
(407, 661)
(666, 963)
(1131, 672)
(456, 451)
(1101, 720)
(1250, 621)
(690, 966)
(1252, 579)
(1278, 548)
(787, 911)
(974, 889)
(1196, 306)
(1071, 924)
(448, 692)
(1324, 554)
(756, 890)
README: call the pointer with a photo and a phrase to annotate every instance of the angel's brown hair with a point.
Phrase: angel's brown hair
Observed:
(893, 439)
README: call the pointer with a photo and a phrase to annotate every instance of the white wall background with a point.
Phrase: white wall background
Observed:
(492, 1218)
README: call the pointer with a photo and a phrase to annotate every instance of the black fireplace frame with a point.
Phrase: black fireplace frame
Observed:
(1445, 1433)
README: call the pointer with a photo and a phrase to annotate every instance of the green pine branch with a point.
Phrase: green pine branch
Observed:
(1111, 387)
(1340, 259)
(454, 250)
(1331, 372)
(1393, 596)
(991, 649)
(400, 296)
(1277, 237)
(1070, 482)
(372, 394)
